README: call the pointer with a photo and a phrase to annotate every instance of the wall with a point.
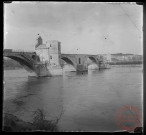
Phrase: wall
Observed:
(43, 52)
(54, 53)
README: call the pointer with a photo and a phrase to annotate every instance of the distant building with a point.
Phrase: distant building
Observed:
(106, 57)
(137, 58)
(128, 57)
(120, 57)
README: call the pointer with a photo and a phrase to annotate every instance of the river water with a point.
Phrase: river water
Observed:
(89, 101)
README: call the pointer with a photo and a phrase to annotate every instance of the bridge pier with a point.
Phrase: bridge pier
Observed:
(46, 70)
(81, 68)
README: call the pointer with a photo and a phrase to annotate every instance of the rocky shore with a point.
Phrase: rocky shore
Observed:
(12, 123)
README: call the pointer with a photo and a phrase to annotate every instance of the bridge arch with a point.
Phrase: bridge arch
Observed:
(68, 61)
(95, 61)
(92, 59)
(24, 62)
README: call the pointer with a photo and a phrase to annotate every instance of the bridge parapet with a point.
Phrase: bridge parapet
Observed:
(17, 51)
(25, 51)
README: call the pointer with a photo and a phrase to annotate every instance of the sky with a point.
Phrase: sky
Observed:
(81, 27)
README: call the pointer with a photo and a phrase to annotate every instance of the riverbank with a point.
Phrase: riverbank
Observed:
(128, 65)
(13, 124)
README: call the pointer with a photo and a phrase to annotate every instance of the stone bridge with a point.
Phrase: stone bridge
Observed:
(81, 61)
(47, 58)
(26, 59)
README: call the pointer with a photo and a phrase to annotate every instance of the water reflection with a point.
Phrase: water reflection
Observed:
(36, 93)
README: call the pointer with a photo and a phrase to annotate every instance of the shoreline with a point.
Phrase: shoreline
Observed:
(128, 65)
(14, 124)
(113, 65)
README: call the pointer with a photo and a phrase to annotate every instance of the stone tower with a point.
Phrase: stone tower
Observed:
(54, 53)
